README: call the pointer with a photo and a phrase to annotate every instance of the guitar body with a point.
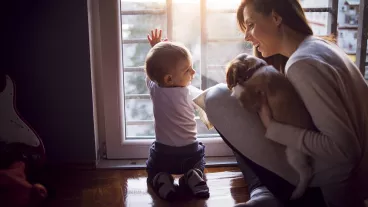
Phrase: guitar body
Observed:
(18, 138)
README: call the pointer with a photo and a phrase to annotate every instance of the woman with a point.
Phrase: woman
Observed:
(335, 94)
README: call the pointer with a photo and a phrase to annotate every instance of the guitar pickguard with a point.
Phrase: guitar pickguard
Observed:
(12, 128)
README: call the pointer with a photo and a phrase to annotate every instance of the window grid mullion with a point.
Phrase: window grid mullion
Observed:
(332, 20)
(199, 136)
(317, 9)
(306, 9)
(143, 12)
(169, 19)
(204, 43)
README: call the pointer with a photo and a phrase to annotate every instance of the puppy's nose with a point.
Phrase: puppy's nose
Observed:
(237, 91)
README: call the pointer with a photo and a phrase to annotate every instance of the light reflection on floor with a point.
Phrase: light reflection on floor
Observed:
(120, 188)
(219, 183)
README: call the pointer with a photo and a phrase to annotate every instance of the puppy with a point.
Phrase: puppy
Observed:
(253, 83)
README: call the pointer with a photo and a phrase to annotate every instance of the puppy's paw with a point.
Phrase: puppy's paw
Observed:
(237, 91)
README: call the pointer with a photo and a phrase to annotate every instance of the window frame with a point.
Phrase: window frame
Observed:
(361, 52)
(109, 79)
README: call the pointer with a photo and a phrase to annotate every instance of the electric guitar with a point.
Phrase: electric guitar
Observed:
(19, 137)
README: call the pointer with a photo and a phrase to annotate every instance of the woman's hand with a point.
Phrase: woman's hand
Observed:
(155, 37)
(265, 114)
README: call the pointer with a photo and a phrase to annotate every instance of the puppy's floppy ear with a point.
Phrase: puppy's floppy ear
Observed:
(234, 70)
(230, 75)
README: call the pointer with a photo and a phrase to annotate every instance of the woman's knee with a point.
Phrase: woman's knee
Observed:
(218, 97)
(244, 131)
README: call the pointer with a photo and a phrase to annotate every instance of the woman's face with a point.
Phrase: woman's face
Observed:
(262, 30)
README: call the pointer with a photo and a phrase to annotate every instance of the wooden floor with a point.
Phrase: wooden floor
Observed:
(118, 188)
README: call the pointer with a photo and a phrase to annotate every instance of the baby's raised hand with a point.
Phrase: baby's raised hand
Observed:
(155, 37)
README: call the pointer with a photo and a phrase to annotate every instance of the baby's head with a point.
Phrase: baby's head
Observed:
(169, 64)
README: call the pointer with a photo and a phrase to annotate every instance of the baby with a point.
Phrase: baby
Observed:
(175, 151)
(254, 82)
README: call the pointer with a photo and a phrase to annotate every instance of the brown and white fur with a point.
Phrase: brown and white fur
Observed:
(253, 83)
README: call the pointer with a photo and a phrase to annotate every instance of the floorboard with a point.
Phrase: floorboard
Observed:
(117, 188)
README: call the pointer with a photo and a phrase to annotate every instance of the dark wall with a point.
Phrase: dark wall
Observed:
(47, 55)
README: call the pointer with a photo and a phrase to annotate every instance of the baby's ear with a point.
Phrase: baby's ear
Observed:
(168, 81)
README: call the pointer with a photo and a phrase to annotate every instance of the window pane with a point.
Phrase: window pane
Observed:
(222, 4)
(319, 22)
(135, 54)
(186, 22)
(348, 28)
(220, 53)
(214, 76)
(186, 29)
(348, 14)
(140, 131)
(138, 26)
(203, 131)
(347, 40)
(135, 83)
(222, 25)
(138, 109)
(131, 5)
(314, 3)
(144, 131)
